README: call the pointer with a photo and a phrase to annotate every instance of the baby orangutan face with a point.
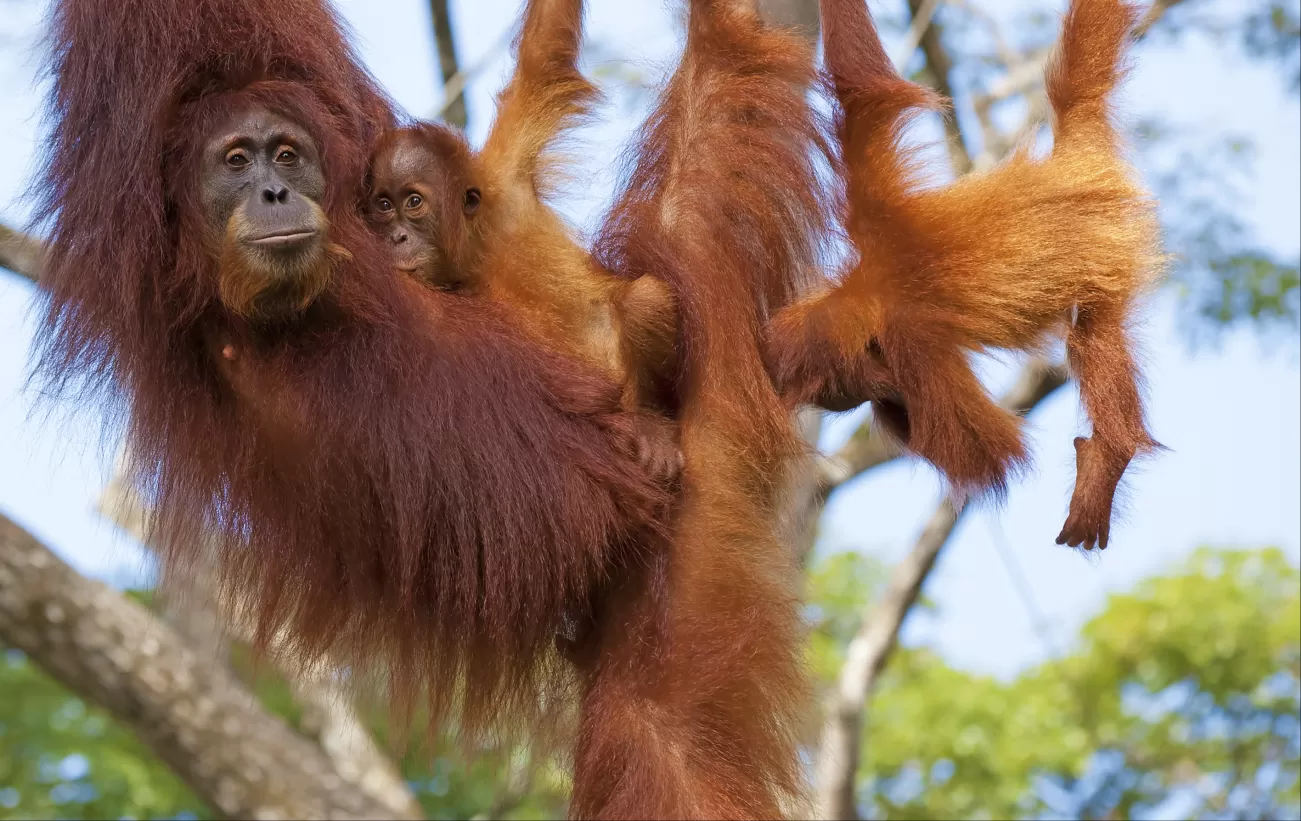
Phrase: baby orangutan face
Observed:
(424, 199)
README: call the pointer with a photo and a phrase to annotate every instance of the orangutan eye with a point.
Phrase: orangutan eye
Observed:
(414, 201)
(472, 200)
(384, 206)
(237, 158)
(286, 156)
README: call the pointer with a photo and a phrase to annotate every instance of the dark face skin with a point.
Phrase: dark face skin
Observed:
(422, 200)
(261, 186)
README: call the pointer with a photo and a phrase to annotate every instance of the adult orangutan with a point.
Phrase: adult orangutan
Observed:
(401, 479)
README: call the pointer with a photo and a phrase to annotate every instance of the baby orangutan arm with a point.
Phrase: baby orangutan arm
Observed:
(548, 96)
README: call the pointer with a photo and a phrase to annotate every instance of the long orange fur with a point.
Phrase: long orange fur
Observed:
(699, 686)
(996, 260)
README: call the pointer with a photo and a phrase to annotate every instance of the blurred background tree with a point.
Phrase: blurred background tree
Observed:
(1176, 695)
(1161, 710)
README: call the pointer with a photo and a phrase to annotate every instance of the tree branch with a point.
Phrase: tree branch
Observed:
(333, 722)
(199, 719)
(453, 109)
(870, 649)
(939, 66)
(21, 253)
(329, 717)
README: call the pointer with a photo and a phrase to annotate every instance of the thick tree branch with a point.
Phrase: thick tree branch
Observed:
(869, 650)
(20, 253)
(194, 608)
(199, 719)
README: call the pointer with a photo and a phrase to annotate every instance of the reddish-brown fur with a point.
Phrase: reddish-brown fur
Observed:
(401, 480)
(995, 260)
(693, 668)
(692, 707)
(514, 249)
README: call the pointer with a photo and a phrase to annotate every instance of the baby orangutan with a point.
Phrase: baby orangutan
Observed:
(1004, 259)
(478, 223)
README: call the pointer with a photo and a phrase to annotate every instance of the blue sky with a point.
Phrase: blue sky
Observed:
(1231, 415)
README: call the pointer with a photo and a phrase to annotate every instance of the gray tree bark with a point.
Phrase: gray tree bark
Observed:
(194, 714)
(939, 68)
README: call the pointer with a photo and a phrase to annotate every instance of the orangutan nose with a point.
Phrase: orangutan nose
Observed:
(274, 194)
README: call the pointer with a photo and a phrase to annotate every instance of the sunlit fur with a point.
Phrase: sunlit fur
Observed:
(515, 249)
(693, 707)
(401, 480)
(693, 666)
(995, 260)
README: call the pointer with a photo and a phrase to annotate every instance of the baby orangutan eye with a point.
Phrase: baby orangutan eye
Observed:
(472, 198)
(383, 205)
(415, 201)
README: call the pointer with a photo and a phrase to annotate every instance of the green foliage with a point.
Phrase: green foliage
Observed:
(61, 758)
(838, 588)
(1181, 698)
